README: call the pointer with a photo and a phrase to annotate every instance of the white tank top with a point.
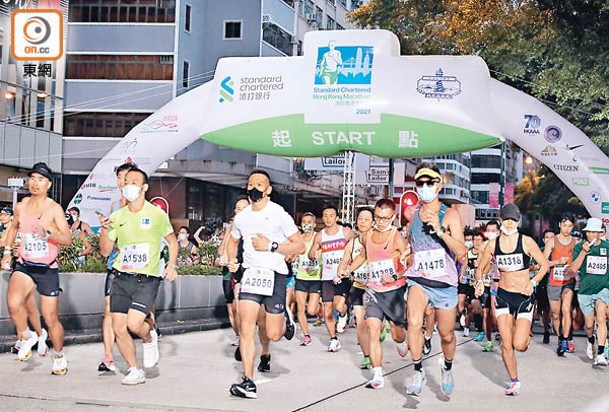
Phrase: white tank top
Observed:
(332, 251)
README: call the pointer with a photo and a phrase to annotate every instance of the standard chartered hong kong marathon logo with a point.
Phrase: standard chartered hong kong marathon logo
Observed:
(226, 90)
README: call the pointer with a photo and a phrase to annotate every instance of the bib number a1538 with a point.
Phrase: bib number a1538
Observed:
(135, 257)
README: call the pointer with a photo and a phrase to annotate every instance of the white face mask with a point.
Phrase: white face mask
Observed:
(469, 244)
(508, 232)
(131, 192)
(427, 194)
(182, 236)
(491, 235)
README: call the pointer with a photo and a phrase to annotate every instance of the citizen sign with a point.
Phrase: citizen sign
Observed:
(566, 168)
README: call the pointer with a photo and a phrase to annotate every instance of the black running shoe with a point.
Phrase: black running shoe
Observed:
(426, 346)
(245, 389)
(238, 354)
(290, 328)
(546, 337)
(265, 363)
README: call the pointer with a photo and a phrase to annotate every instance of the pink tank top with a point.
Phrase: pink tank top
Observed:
(34, 247)
(382, 260)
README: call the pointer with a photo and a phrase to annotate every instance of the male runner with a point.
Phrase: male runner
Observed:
(436, 235)
(137, 231)
(43, 229)
(561, 286)
(332, 240)
(269, 234)
(384, 249)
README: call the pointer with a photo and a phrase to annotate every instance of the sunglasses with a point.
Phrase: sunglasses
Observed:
(428, 183)
(383, 219)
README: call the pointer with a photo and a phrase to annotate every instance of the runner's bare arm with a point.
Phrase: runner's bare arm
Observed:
(349, 233)
(547, 251)
(577, 263)
(60, 233)
(342, 267)
(453, 237)
(531, 248)
(485, 260)
(315, 246)
(170, 270)
(105, 244)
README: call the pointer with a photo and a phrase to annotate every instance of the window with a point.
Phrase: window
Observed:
(186, 74)
(484, 178)
(232, 30)
(92, 124)
(331, 23)
(278, 38)
(119, 67)
(486, 161)
(122, 11)
(187, 18)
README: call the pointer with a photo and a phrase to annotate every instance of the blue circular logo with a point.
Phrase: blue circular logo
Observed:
(552, 134)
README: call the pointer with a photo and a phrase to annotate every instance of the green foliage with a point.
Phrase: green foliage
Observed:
(200, 270)
(69, 257)
(208, 251)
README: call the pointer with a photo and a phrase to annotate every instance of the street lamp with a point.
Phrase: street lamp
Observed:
(15, 183)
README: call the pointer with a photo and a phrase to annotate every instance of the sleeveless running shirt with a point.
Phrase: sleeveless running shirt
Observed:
(35, 248)
(433, 265)
(305, 268)
(332, 251)
(382, 260)
(512, 261)
(360, 276)
(558, 277)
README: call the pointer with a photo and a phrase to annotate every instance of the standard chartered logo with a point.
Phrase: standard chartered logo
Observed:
(226, 90)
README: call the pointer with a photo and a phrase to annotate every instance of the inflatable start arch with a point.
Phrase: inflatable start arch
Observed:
(353, 91)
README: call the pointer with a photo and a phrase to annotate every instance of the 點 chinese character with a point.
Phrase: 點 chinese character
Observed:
(281, 138)
(408, 139)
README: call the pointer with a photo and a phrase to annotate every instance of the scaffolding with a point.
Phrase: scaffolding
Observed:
(348, 203)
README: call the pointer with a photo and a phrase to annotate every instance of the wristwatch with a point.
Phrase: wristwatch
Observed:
(274, 246)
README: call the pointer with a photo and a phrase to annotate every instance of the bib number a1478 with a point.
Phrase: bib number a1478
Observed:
(258, 281)
(431, 262)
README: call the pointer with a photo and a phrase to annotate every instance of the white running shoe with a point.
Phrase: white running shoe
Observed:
(514, 389)
(341, 325)
(416, 383)
(25, 350)
(466, 332)
(135, 377)
(151, 351)
(43, 349)
(334, 345)
(60, 365)
(402, 349)
(590, 351)
(600, 360)
(448, 382)
(235, 342)
(462, 320)
(376, 383)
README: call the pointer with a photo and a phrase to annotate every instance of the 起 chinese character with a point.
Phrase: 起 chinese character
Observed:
(281, 138)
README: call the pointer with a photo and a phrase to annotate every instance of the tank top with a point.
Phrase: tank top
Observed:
(512, 261)
(35, 249)
(469, 275)
(558, 277)
(305, 268)
(332, 251)
(114, 254)
(381, 260)
(433, 264)
(360, 276)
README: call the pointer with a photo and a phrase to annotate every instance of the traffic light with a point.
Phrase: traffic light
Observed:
(408, 203)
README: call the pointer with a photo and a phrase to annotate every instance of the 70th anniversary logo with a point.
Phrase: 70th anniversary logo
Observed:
(37, 35)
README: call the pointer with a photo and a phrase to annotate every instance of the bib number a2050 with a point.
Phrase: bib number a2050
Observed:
(258, 281)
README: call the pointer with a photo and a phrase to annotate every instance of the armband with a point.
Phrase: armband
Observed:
(395, 277)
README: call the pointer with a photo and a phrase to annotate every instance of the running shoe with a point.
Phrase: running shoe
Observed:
(151, 350)
(318, 322)
(600, 360)
(290, 327)
(571, 347)
(107, 365)
(235, 342)
(448, 382)
(306, 341)
(606, 352)
(366, 364)
(25, 350)
(466, 332)
(514, 389)
(497, 336)
(462, 320)
(43, 349)
(60, 365)
(245, 389)
(134, 377)
(238, 354)
(426, 345)
(402, 349)
(159, 335)
(376, 383)
(416, 383)
(546, 337)
(590, 351)
(334, 345)
(562, 347)
(479, 337)
(16, 346)
(265, 363)
(488, 347)
(383, 335)
(341, 325)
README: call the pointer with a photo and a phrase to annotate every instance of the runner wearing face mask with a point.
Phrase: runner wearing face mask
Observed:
(542, 303)
(187, 251)
(491, 277)
(436, 234)
(514, 301)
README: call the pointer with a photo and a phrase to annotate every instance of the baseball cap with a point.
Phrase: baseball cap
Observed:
(42, 169)
(7, 209)
(509, 211)
(425, 171)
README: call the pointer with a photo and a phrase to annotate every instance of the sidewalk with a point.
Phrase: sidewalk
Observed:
(196, 369)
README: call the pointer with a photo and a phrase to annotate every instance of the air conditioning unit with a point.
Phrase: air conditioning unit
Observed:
(311, 17)
(266, 18)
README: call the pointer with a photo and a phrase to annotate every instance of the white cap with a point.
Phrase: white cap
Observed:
(593, 225)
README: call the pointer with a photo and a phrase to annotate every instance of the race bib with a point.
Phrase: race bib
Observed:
(331, 261)
(431, 262)
(135, 257)
(559, 273)
(470, 274)
(309, 265)
(596, 265)
(258, 281)
(510, 263)
(34, 247)
(361, 275)
(380, 268)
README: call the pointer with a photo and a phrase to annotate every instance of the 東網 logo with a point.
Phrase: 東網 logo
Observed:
(37, 35)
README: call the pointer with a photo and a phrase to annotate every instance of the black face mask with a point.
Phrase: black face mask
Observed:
(70, 219)
(255, 195)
